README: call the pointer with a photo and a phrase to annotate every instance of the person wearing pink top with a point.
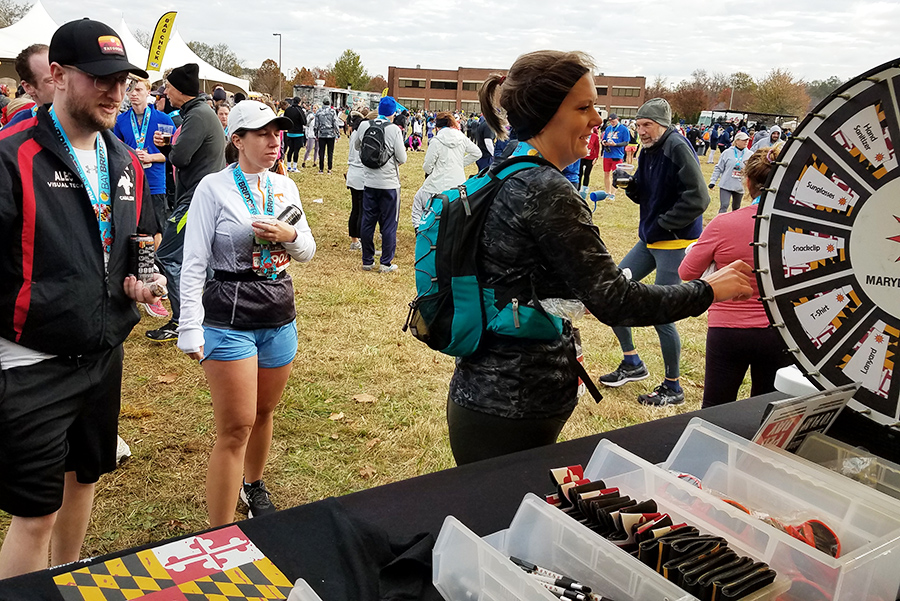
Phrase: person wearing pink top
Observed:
(739, 335)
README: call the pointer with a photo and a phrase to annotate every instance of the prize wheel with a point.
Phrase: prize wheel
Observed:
(828, 242)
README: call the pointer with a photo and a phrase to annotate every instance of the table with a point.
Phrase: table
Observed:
(324, 543)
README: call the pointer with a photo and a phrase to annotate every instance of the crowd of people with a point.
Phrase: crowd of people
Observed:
(95, 162)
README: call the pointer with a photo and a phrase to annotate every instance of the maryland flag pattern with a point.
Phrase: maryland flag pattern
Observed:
(223, 565)
(819, 188)
(867, 138)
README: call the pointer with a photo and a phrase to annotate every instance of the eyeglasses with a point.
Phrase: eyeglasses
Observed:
(105, 83)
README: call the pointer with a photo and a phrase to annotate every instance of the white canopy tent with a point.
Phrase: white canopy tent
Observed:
(179, 53)
(37, 27)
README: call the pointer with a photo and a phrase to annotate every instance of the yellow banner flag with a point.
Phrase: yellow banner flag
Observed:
(159, 41)
(384, 92)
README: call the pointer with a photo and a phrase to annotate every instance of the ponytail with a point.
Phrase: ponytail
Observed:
(487, 96)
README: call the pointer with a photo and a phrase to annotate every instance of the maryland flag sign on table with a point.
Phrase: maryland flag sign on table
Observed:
(223, 565)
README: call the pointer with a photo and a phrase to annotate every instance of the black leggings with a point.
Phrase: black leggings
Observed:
(355, 221)
(294, 146)
(730, 351)
(475, 435)
(584, 172)
(326, 143)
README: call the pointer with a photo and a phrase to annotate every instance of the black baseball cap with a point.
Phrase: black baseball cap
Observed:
(92, 47)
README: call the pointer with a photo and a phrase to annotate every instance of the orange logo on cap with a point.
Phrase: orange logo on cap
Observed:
(110, 44)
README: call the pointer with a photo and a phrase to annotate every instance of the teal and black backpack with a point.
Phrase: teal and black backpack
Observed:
(453, 309)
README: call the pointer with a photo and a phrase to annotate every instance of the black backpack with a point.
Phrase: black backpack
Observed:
(373, 150)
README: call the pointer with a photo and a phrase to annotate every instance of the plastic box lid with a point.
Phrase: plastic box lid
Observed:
(866, 521)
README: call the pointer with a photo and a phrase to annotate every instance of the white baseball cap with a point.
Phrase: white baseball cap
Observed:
(741, 136)
(252, 114)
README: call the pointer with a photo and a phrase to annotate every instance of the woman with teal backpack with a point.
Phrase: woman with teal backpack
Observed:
(540, 245)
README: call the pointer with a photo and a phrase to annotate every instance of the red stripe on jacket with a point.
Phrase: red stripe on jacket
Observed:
(27, 150)
(17, 127)
(138, 186)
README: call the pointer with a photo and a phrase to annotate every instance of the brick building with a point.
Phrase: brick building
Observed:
(450, 90)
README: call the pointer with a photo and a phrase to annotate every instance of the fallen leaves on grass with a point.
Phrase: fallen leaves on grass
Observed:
(372, 443)
(336, 416)
(129, 412)
(365, 398)
(166, 378)
(334, 437)
(367, 472)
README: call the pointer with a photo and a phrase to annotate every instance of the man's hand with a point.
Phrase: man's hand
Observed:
(142, 156)
(732, 282)
(198, 356)
(158, 139)
(140, 292)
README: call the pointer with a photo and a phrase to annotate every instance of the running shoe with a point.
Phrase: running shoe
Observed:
(155, 309)
(661, 396)
(625, 373)
(167, 333)
(389, 268)
(256, 497)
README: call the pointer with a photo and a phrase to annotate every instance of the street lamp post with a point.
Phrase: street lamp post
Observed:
(279, 67)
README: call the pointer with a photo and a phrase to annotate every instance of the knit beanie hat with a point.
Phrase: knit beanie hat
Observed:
(218, 94)
(387, 107)
(656, 109)
(186, 79)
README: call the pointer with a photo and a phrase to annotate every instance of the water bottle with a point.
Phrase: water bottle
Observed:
(599, 195)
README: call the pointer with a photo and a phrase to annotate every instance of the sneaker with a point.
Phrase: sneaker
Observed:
(256, 496)
(368, 267)
(625, 373)
(329, 172)
(167, 333)
(303, 166)
(156, 309)
(661, 396)
(388, 268)
(356, 245)
(123, 451)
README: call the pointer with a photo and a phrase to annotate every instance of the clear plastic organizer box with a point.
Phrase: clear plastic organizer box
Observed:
(467, 568)
(871, 470)
(866, 522)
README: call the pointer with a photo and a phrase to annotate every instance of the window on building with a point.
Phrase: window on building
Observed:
(629, 92)
(472, 86)
(411, 83)
(441, 105)
(601, 90)
(471, 107)
(624, 112)
(437, 84)
(413, 104)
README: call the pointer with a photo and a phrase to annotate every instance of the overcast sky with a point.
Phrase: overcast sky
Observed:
(813, 38)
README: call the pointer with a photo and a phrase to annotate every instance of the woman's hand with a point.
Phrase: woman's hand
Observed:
(198, 356)
(275, 232)
(732, 282)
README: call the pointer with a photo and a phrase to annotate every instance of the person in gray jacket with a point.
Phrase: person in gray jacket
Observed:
(327, 127)
(198, 150)
(381, 191)
(728, 172)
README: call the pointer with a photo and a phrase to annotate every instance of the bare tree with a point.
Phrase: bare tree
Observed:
(143, 37)
(220, 56)
(11, 11)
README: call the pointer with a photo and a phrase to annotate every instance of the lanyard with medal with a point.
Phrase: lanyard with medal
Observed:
(99, 198)
(739, 162)
(140, 137)
(265, 266)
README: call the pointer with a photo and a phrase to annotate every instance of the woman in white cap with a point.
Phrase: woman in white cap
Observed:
(240, 324)
(728, 173)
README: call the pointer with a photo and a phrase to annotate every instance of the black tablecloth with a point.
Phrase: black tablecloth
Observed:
(314, 541)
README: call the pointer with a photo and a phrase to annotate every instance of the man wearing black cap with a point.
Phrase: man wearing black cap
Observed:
(198, 151)
(71, 197)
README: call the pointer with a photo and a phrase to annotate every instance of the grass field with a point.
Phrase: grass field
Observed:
(365, 402)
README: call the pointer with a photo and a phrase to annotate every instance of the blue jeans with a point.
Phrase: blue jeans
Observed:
(381, 207)
(642, 261)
